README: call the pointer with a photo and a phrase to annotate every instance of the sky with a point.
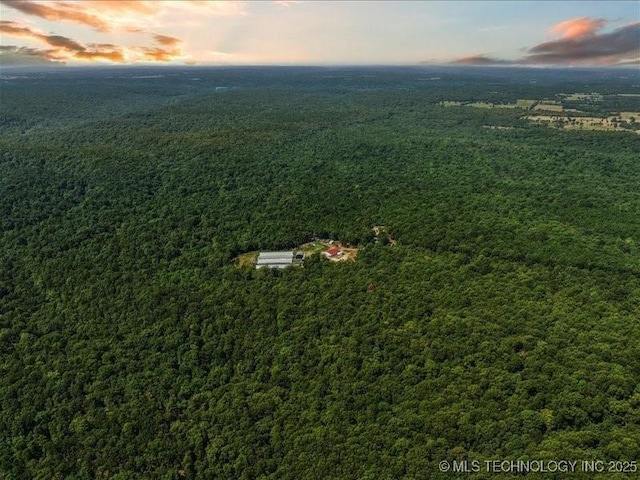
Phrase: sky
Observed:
(315, 32)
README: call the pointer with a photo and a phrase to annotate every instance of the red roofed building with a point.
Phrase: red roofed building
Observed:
(333, 252)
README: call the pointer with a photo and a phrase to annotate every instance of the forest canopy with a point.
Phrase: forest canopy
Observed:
(502, 324)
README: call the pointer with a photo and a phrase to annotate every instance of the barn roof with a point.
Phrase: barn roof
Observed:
(274, 255)
(274, 259)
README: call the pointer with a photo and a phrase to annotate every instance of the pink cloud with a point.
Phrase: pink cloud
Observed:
(589, 48)
(578, 27)
(581, 43)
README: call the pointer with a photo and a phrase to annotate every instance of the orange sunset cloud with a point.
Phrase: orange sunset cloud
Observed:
(120, 17)
(578, 27)
(110, 15)
(102, 16)
(166, 40)
(64, 49)
(158, 54)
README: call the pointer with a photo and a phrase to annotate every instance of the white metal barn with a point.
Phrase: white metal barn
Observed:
(274, 260)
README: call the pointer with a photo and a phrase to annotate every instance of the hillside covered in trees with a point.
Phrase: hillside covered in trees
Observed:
(503, 324)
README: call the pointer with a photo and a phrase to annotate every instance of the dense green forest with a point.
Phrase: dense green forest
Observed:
(503, 325)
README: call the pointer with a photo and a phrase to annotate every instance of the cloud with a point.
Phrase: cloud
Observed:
(165, 50)
(56, 11)
(112, 55)
(620, 45)
(62, 42)
(635, 63)
(57, 41)
(15, 29)
(578, 27)
(110, 15)
(158, 54)
(166, 40)
(137, 17)
(101, 15)
(14, 55)
(479, 60)
(63, 48)
(581, 43)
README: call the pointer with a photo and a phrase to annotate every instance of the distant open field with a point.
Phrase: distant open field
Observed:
(594, 96)
(520, 103)
(621, 122)
(549, 107)
(584, 123)
(630, 116)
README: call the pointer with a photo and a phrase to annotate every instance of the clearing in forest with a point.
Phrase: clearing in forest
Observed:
(333, 250)
(617, 123)
(382, 235)
(549, 107)
(246, 259)
(562, 117)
